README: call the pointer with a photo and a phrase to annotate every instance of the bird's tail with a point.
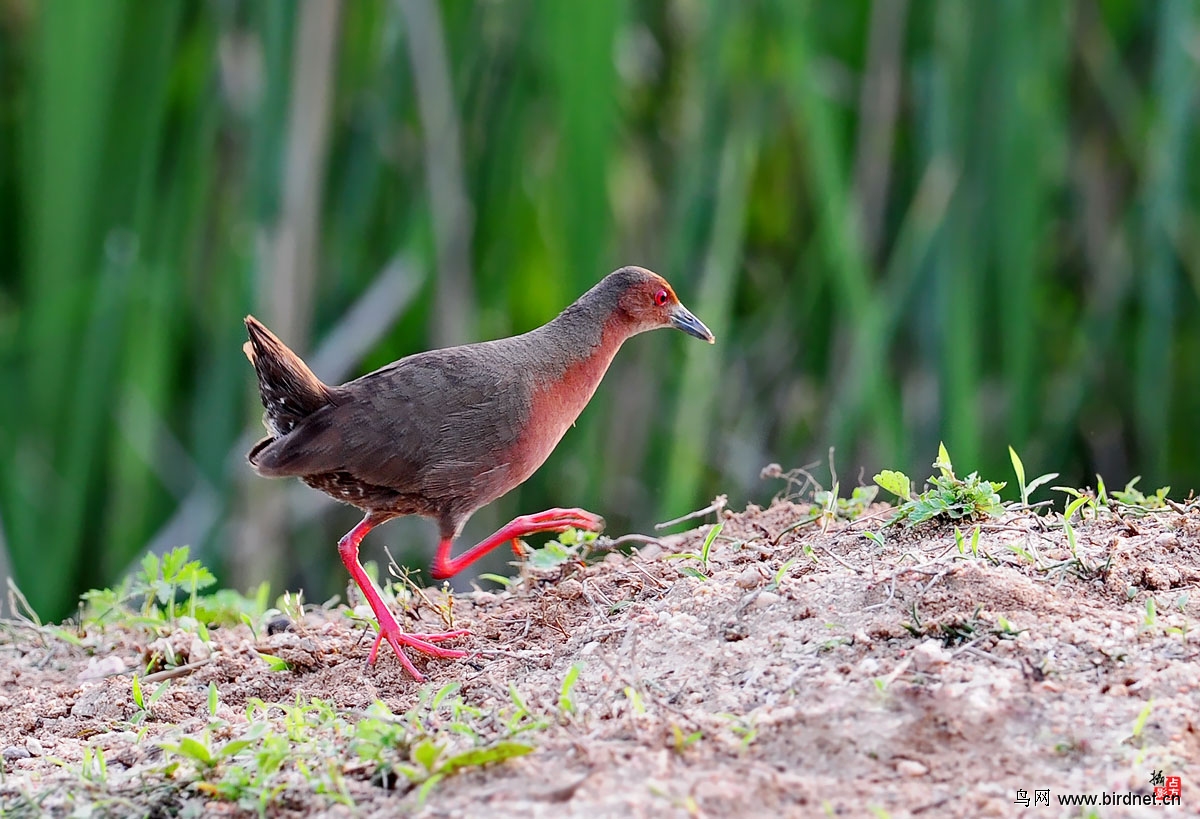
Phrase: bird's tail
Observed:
(290, 392)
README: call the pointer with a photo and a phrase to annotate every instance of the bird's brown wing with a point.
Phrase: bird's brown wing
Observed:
(439, 425)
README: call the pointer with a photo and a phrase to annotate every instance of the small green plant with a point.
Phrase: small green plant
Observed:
(829, 507)
(275, 663)
(1082, 501)
(566, 705)
(961, 544)
(743, 728)
(780, 573)
(1133, 500)
(306, 741)
(961, 630)
(1151, 618)
(950, 497)
(570, 545)
(144, 703)
(1127, 501)
(1139, 724)
(94, 768)
(424, 749)
(702, 557)
(149, 598)
(1027, 489)
(1077, 564)
(680, 741)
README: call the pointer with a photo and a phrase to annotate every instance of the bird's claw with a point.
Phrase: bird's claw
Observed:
(423, 642)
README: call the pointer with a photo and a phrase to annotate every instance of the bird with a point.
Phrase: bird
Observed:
(442, 433)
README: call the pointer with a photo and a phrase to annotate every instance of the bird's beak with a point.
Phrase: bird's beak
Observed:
(682, 319)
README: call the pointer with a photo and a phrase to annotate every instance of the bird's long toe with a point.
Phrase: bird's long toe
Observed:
(559, 519)
(424, 643)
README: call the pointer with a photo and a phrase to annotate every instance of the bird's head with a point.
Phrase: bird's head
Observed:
(649, 302)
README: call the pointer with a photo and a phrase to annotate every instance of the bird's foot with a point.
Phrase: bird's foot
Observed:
(557, 520)
(423, 642)
(552, 520)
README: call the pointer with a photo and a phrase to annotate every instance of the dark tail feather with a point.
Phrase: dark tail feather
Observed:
(290, 392)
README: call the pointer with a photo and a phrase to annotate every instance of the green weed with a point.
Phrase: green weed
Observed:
(702, 556)
(313, 739)
(1132, 500)
(950, 497)
(150, 599)
(566, 705)
(680, 741)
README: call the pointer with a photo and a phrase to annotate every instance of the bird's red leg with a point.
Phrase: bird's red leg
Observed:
(389, 629)
(552, 520)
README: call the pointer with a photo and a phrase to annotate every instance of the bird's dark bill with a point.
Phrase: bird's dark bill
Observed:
(682, 319)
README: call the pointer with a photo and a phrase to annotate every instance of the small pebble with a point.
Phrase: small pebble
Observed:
(651, 551)
(198, 650)
(735, 631)
(278, 625)
(34, 746)
(570, 589)
(749, 578)
(101, 667)
(765, 599)
(930, 655)
(15, 752)
(910, 767)
(1167, 541)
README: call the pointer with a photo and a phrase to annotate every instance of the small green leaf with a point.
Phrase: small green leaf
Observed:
(445, 691)
(549, 556)
(943, 462)
(1019, 468)
(565, 703)
(1074, 506)
(708, 541)
(1038, 482)
(195, 750)
(426, 754)
(1142, 717)
(158, 692)
(275, 663)
(234, 747)
(787, 564)
(475, 757)
(895, 482)
(427, 786)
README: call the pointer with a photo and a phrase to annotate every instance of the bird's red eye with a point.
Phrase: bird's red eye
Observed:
(661, 298)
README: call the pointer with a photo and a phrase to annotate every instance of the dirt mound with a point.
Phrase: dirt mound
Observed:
(793, 671)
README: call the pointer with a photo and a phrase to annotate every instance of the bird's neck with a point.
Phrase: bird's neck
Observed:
(585, 338)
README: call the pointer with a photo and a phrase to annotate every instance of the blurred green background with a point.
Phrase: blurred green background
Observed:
(905, 220)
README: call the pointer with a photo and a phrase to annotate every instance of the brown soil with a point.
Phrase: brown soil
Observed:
(907, 679)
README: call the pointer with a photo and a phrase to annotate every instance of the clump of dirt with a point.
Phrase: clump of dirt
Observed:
(800, 670)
